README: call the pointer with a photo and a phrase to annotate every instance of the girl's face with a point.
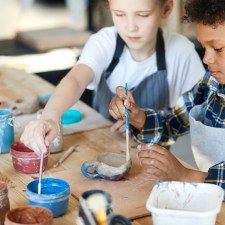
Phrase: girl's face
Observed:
(213, 41)
(137, 22)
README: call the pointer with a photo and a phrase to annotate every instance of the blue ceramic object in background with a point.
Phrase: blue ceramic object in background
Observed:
(108, 166)
(54, 195)
(6, 130)
(71, 116)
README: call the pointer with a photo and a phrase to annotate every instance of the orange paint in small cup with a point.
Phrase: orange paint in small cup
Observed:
(29, 215)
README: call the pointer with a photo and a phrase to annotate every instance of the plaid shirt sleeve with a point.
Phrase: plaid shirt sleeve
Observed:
(165, 127)
(216, 175)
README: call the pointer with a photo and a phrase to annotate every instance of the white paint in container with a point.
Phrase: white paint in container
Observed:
(176, 203)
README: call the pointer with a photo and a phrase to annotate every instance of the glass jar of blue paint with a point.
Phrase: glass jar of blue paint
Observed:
(6, 130)
(54, 195)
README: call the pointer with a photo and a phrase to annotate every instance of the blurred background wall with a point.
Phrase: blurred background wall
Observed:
(20, 15)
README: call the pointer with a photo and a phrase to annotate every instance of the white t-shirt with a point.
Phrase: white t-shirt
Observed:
(183, 64)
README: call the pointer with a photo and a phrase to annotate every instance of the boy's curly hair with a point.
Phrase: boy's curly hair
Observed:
(208, 12)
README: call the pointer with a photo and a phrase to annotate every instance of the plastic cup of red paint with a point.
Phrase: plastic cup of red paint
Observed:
(25, 160)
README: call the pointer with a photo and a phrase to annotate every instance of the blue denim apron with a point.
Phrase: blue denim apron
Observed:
(152, 92)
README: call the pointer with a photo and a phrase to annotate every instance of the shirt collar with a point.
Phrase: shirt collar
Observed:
(214, 85)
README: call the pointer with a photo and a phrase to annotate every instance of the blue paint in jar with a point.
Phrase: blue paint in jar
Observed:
(54, 195)
(6, 130)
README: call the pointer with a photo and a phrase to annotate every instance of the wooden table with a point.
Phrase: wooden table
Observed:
(87, 140)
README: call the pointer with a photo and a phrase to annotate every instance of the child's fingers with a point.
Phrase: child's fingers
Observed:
(117, 125)
(121, 92)
(151, 146)
(116, 108)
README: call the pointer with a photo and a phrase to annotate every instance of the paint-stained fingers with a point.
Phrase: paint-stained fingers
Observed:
(148, 150)
(116, 108)
(164, 161)
(33, 136)
(137, 117)
(144, 146)
(115, 112)
(122, 128)
(152, 156)
(163, 155)
(153, 160)
(121, 93)
(37, 139)
(155, 174)
(52, 129)
(117, 126)
(150, 146)
(24, 137)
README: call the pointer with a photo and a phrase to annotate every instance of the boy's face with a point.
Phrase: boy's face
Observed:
(213, 41)
(137, 21)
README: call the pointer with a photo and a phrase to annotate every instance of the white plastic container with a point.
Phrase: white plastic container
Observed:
(183, 203)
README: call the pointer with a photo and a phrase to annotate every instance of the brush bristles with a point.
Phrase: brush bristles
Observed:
(101, 217)
(98, 204)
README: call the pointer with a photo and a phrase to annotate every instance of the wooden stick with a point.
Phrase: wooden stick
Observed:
(41, 167)
(40, 173)
(65, 155)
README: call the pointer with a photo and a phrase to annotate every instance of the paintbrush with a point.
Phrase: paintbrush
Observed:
(40, 173)
(41, 166)
(98, 204)
(127, 127)
(65, 155)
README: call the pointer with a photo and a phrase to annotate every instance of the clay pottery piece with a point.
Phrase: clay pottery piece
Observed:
(25, 215)
(25, 160)
(25, 105)
(57, 144)
(108, 165)
(54, 195)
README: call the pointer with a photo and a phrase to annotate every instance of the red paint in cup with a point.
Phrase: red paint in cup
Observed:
(25, 160)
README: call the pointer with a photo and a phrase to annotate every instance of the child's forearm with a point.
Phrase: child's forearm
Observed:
(67, 93)
(195, 176)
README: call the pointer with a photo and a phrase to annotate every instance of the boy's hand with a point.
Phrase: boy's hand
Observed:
(161, 164)
(117, 108)
(39, 134)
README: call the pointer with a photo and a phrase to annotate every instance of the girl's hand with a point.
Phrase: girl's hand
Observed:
(117, 108)
(39, 134)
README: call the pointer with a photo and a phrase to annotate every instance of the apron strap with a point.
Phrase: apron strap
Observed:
(160, 51)
(116, 56)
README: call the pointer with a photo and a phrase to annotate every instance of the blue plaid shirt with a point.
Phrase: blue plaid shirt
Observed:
(216, 175)
(165, 127)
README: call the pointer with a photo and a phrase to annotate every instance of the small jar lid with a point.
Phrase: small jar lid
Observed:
(71, 116)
